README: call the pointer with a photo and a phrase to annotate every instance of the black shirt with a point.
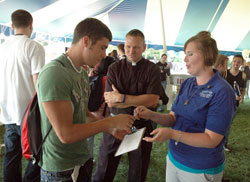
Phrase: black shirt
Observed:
(164, 70)
(142, 78)
(239, 78)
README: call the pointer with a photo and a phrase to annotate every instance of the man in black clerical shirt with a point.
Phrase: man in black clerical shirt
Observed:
(131, 82)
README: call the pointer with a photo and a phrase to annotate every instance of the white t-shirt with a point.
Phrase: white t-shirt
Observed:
(20, 58)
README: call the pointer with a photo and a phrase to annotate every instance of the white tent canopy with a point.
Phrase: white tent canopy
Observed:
(227, 20)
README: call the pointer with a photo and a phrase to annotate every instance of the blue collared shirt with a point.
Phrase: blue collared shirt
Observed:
(198, 107)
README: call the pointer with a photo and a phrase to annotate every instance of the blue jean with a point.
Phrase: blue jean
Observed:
(247, 89)
(164, 84)
(13, 154)
(12, 165)
(91, 141)
(85, 172)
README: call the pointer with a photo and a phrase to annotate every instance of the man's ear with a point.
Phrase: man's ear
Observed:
(85, 41)
(145, 46)
(12, 26)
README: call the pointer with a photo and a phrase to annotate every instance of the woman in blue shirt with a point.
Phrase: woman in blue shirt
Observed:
(200, 117)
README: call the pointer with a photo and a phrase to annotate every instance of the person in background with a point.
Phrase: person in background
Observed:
(114, 54)
(200, 117)
(247, 72)
(165, 71)
(235, 75)
(103, 111)
(221, 64)
(121, 51)
(63, 94)
(130, 82)
(102, 69)
(20, 63)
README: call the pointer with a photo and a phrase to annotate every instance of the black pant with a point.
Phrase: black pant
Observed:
(107, 163)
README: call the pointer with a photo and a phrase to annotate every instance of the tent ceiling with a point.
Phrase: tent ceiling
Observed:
(227, 20)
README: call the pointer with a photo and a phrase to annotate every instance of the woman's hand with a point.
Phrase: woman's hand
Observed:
(142, 112)
(161, 135)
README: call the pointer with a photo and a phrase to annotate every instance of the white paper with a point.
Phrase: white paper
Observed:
(130, 142)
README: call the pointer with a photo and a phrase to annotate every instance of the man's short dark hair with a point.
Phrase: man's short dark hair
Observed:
(164, 55)
(239, 56)
(21, 18)
(92, 28)
(121, 47)
(136, 33)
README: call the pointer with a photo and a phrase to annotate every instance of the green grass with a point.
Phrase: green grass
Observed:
(237, 165)
(238, 161)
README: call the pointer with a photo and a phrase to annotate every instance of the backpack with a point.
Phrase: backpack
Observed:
(31, 135)
(96, 92)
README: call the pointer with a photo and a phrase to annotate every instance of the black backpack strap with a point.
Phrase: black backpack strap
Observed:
(34, 161)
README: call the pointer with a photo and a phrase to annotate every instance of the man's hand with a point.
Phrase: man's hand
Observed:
(113, 96)
(241, 99)
(119, 134)
(238, 97)
(123, 122)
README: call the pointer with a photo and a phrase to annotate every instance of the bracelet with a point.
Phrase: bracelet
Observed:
(179, 138)
(124, 98)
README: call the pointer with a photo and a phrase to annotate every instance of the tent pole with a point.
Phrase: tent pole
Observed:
(209, 26)
(163, 29)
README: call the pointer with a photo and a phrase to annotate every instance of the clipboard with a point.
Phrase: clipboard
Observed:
(130, 142)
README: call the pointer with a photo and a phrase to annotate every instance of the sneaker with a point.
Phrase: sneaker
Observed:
(226, 148)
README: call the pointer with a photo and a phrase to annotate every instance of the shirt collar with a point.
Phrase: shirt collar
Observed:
(210, 82)
(78, 71)
(135, 63)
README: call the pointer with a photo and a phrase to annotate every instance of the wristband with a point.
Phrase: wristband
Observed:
(179, 138)
(124, 98)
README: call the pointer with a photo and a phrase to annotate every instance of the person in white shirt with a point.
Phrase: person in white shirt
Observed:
(20, 63)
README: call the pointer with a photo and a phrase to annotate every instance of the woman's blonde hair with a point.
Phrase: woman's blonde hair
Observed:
(221, 59)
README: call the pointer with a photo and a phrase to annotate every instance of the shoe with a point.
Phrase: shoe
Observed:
(225, 180)
(227, 149)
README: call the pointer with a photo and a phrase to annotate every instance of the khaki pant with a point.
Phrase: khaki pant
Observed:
(173, 174)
